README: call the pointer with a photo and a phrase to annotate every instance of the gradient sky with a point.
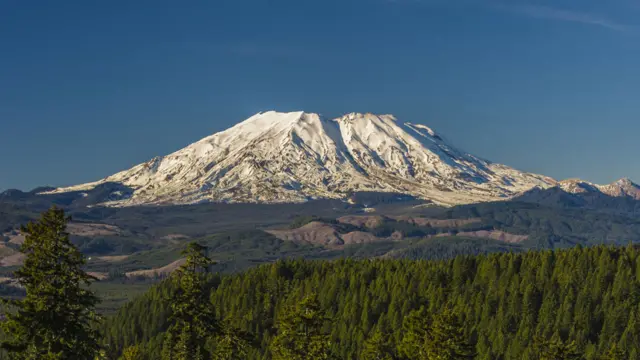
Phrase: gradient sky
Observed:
(88, 87)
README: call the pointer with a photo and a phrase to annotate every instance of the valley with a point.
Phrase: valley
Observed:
(131, 248)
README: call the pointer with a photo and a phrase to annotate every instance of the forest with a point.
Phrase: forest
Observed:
(506, 305)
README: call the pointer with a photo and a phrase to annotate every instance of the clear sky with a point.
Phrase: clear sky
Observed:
(88, 87)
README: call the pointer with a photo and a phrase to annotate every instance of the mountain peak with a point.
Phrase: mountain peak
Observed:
(625, 181)
(622, 187)
(277, 113)
(577, 186)
(357, 115)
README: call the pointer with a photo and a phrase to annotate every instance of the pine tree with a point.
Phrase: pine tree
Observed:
(615, 353)
(300, 334)
(193, 320)
(133, 353)
(56, 319)
(416, 333)
(378, 347)
(556, 349)
(447, 340)
(232, 344)
(102, 355)
(527, 290)
(167, 346)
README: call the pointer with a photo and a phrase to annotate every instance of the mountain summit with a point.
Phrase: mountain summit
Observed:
(277, 157)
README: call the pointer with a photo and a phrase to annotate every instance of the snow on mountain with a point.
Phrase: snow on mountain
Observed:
(621, 188)
(277, 157)
(577, 186)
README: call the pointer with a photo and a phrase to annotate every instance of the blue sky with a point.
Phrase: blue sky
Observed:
(88, 88)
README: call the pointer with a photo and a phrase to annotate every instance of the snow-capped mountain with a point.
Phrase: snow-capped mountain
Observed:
(277, 157)
(621, 188)
(578, 186)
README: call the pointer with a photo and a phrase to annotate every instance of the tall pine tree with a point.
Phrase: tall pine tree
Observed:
(416, 329)
(300, 334)
(556, 349)
(231, 344)
(378, 347)
(133, 353)
(447, 340)
(614, 353)
(55, 321)
(193, 320)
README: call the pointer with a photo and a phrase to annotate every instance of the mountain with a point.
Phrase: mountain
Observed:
(624, 188)
(277, 157)
(619, 197)
(577, 186)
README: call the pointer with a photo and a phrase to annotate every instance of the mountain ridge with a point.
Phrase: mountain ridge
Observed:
(620, 188)
(274, 157)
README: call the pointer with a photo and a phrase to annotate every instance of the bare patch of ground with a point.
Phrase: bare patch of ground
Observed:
(93, 229)
(99, 275)
(368, 221)
(439, 223)
(74, 228)
(315, 232)
(6, 251)
(10, 256)
(319, 233)
(358, 237)
(14, 237)
(12, 260)
(372, 221)
(10, 282)
(113, 258)
(492, 234)
(175, 237)
(17, 239)
(162, 271)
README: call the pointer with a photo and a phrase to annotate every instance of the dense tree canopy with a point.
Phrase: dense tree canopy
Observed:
(582, 300)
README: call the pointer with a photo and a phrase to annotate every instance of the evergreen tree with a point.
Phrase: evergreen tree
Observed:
(615, 353)
(192, 318)
(232, 344)
(447, 340)
(133, 353)
(504, 301)
(167, 347)
(556, 349)
(102, 355)
(378, 347)
(416, 328)
(300, 334)
(56, 319)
